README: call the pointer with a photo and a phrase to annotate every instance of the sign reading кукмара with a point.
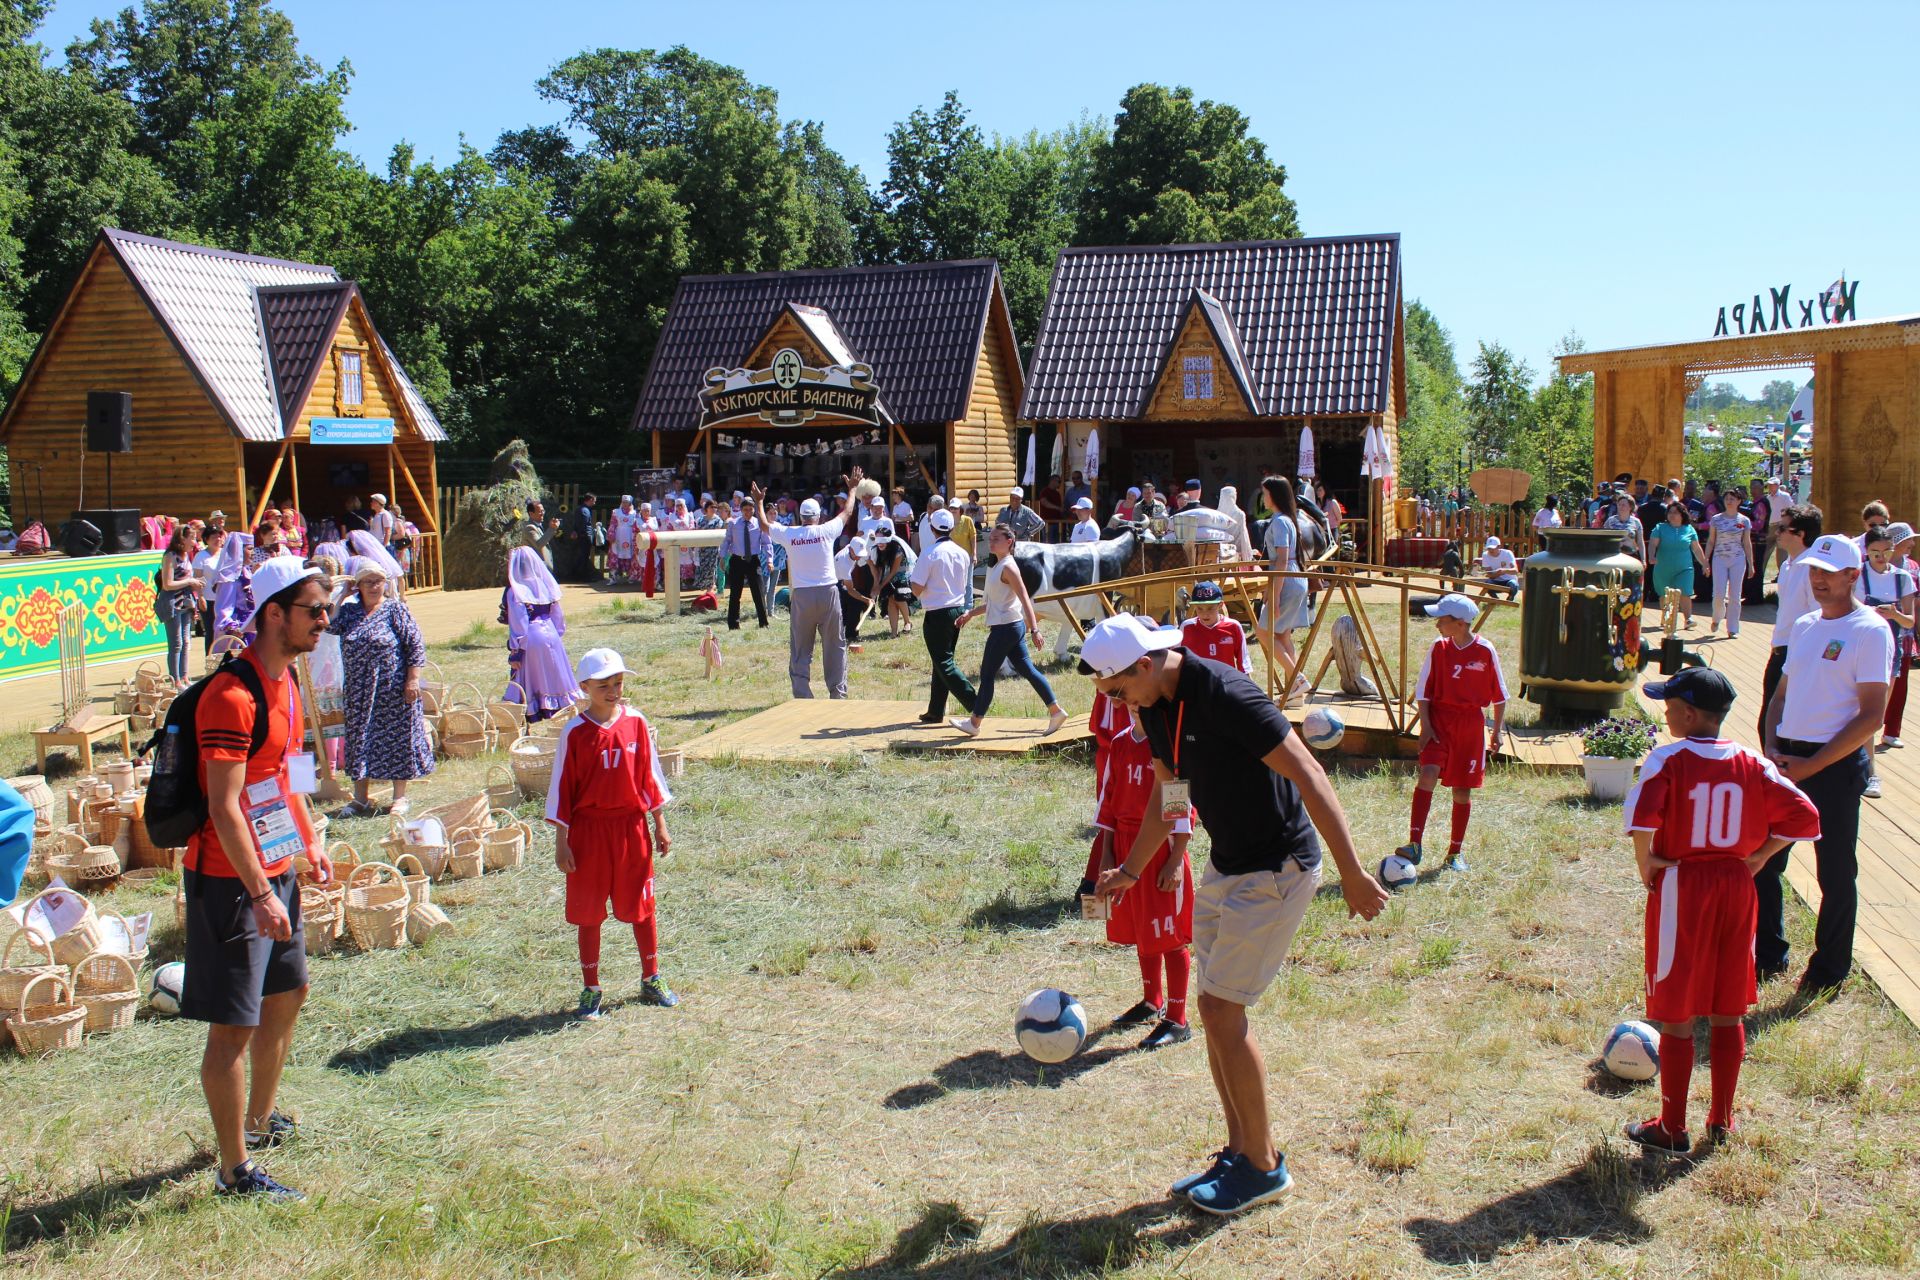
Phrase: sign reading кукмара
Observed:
(1834, 304)
(790, 392)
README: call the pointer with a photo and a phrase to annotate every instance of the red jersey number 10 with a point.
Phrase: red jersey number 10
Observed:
(1716, 815)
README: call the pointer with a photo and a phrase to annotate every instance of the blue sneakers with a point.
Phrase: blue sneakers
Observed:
(1240, 1187)
(1455, 862)
(1221, 1159)
(590, 1002)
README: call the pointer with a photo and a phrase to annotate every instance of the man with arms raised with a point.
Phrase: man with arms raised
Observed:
(1220, 744)
(813, 591)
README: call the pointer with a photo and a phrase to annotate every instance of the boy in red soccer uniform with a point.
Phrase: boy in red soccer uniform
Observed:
(606, 782)
(1210, 633)
(1458, 681)
(1107, 720)
(1705, 816)
(1154, 916)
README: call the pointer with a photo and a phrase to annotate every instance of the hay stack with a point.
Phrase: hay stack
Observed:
(486, 526)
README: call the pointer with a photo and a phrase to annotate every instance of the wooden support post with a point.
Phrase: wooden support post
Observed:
(266, 490)
(709, 485)
(406, 473)
(671, 565)
(293, 474)
(391, 486)
(330, 787)
(656, 448)
(239, 484)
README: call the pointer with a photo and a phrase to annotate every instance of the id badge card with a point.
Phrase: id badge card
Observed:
(1094, 907)
(303, 775)
(1176, 797)
(276, 832)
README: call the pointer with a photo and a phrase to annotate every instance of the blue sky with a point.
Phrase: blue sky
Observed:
(1620, 170)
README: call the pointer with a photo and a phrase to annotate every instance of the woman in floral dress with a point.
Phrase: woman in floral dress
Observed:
(623, 565)
(381, 647)
(709, 559)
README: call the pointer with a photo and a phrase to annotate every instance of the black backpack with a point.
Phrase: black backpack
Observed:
(176, 802)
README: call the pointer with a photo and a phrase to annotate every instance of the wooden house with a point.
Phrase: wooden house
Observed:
(1206, 361)
(253, 380)
(936, 338)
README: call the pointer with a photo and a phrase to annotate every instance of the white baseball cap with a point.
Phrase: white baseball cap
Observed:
(1833, 552)
(1493, 542)
(380, 498)
(598, 664)
(857, 548)
(941, 519)
(809, 509)
(1454, 605)
(1118, 642)
(1083, 504)
(1016, 492)
(278, 573)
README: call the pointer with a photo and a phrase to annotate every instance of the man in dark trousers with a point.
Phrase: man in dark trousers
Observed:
(1221, 746)
(939, 581)
(743, 545)
(579, 536)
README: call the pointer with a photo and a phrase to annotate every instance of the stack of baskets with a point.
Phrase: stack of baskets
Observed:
(54, 993)
(467, 726)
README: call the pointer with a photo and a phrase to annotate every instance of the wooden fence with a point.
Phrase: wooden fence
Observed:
(565, 498)
(1473, 528)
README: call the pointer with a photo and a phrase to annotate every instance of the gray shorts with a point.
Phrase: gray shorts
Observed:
(1243, 927)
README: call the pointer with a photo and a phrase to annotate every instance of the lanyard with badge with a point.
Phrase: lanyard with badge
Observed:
(270, 811)
(1176, 793)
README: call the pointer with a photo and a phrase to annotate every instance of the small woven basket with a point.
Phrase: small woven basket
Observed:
(510, 718)
(319, 918)
(419, 883)
(460, 814)
(151, 680)
(469, 856)
(345, 859)
(532, 760)
(377, 905)
(50, 1026)
(34, 790)
(107, 985)
(673, 762)
(431, 856)
(15, 977)
(506, 844)
(424, 920)
(502, 791)
(96, 866)
(433, 690)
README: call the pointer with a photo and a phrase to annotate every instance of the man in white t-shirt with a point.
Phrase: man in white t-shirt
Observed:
(813, 592)
(1501, 569)
(940, 580)
(923, 539)
(1084, 527)
(1821, 722)
(380, 523)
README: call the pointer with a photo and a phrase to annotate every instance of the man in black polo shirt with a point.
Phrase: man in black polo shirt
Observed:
(1220, 744)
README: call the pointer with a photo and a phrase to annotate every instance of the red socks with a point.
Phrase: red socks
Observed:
(1726, 1048)
(1422, 802)
(1156, 994)
(1676, 1077)
(1179, 970)
(645, 936)
(589, 954)
(1462, 811)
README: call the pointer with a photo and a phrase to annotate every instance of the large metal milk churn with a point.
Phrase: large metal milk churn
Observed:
(1580, 623)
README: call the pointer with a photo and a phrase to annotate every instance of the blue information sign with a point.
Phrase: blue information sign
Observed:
(352, 430)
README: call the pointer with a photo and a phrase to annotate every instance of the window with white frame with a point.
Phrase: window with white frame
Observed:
(1196, 378)
(353, 382)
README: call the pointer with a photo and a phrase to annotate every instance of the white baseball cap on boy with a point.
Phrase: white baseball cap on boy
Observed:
(1118, 642)
(1453, 605)
(598, 664)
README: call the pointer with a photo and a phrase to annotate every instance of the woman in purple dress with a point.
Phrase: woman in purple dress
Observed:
(536, 655)
(381, 648)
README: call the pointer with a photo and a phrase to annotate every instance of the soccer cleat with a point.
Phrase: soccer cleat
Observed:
(1891, 744)
(965, 725)
(1168, 1032)
(250, 1182)
(1873, 788)
(279, 1128)
(1140, 1015)
(590, 1001)
(1240, 1187)
(1410, 851)
(655, 991)
(1719, 1135)
(1455, 862)
(1221, 1159)
(1054, 721)
(1650, 1134)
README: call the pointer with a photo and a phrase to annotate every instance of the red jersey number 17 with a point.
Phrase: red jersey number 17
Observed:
(610, 757)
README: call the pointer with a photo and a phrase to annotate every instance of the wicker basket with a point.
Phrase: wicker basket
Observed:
(433, 690)
(552, 727)
(126, 698)
(180, 906)
(431, 856)
(469, 856)
(502, 791)
(345, 858)
(34, 790)
(319, 919)
(424, 920)
(95, 867)
(532, 760)
(377, 905)
(107, 985)
(99, 818)
(151, 680)
(506, 844)
(466, 732)
(510, 718)
(419, 883)
(673, 762)
(141, 850)
(15, 977)
(46, 1028)
(460, 814)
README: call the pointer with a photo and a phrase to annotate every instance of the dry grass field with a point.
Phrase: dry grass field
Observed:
(839, 1094)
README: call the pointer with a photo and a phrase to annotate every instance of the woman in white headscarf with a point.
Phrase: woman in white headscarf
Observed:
(650, 558)
(381, 647)
(622, 526)
(537, 662)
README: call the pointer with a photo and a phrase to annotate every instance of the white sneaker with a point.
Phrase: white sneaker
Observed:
(1891, 744)
(965, 725)
(400, 807)
(1054, 721)
(1873, 788)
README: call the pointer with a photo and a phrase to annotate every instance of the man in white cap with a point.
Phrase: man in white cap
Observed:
(1821, 722)
(813, 591)
(1221, 745)
(1084, 527)
(1025, 522)
(1502, 570)
(848, 565)
(939, 580)
(380, 523)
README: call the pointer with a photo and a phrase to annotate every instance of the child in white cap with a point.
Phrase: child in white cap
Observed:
(1458, 681)
(1502, 570)
(606, 782)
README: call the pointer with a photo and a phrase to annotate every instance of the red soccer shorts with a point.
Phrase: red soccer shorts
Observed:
(612, 861)
(1458, 746)
(1700, 924)
(1146, 917)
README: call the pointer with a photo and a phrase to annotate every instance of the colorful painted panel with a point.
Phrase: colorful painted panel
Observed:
(119, 595)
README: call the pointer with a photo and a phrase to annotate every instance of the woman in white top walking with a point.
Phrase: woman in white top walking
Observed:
(1010, 621)
(1730, 552)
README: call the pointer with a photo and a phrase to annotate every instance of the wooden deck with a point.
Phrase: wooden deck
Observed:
(814, 729)
(1887, 940)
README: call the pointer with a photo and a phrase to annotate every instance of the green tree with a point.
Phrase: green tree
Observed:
(1175, 171)
(1777, 396)
(1433, 435)
(1499, 405)
(1044, 176)
(1726, 460)
(1558, 447)
(842, 215)
(944, 196)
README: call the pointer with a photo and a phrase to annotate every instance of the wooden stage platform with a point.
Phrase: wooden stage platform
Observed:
(1370, 734)
(1887, 938)
(813, 729)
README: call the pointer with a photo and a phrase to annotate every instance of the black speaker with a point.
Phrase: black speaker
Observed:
(79, 537)
(119, 527)
(109, 422)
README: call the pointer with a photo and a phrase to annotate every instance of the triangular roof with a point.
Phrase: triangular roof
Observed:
(1315, 324)
(206, 300)
(1220, 325)
(299, 321)
(919, 327)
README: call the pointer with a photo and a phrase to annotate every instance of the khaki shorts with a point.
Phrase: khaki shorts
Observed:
(1243, 926)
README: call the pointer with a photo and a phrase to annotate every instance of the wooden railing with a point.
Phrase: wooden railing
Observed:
(424, 573)
(1472, 529)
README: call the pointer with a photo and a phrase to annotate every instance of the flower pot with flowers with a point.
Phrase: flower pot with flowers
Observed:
(1611, 750)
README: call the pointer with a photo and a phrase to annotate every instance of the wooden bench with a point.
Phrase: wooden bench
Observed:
(105, 729)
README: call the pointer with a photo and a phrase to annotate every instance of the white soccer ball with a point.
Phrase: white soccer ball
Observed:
(1323, 728)
(1051, 1026)
(168, 980)
(1632, 1051)
(1396, 872)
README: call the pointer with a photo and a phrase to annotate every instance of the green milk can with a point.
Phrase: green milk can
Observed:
(1580, 623)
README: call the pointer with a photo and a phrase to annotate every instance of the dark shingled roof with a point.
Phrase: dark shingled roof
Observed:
(1316, 323)
(918, 326)
(299, 321)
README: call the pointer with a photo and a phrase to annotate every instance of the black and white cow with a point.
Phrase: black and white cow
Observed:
(1062, 566)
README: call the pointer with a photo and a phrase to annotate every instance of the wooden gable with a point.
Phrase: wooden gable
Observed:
(786, 331)
(982, 450)
(380, 391)
(1196, 382)
(107, 338)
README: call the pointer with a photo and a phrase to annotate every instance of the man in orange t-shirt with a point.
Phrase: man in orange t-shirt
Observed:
(246, 956)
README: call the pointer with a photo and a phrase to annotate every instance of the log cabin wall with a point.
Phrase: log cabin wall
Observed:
(981, 451)
(185, 460)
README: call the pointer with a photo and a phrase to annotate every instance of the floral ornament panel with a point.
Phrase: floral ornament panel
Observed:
(116, 591)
